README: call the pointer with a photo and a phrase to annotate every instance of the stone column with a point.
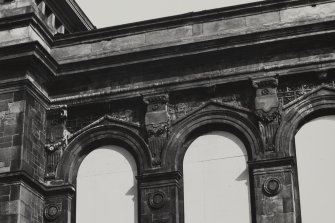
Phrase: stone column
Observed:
(159, 196)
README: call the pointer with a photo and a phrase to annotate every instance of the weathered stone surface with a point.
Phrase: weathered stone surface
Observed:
(201, 63)
(224, 25)
(263, 19)
(317, 11)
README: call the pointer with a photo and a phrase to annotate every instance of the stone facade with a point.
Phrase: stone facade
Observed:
(258, 71)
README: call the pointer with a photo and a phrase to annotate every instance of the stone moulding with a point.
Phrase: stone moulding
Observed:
(51, 212)
(212, 117)
(68, 137)
(272, 186)
(56, 150)
(320, 101)
(105, 132)
(157, 199)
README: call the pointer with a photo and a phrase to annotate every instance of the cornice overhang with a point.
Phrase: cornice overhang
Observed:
(33, 57)
(50, 70)
(25, 20)
(219, 45)
(181, 20)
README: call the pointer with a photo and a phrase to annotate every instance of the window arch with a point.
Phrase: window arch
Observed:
(315, 163)
(216, 180)
(106, 187)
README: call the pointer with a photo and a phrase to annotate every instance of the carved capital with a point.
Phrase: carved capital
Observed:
(268, 82)
(157, 130)
(156, 102)
(156, 99)
(270, 116)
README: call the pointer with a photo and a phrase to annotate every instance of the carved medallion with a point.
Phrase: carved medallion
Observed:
(272, 186)
(157, 199)
(51, 212)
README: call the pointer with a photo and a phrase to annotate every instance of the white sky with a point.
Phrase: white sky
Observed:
(104, 13)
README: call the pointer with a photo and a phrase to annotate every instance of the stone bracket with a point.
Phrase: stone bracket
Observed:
(57, 139)
(157, 123)
(267, 109)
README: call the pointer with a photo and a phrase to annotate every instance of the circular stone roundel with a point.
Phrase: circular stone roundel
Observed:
(272, 186)
(157, 199)
(51, 212)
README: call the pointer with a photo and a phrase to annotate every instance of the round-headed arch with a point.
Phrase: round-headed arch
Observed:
(97, 137)
(202, 122)
(317, 104)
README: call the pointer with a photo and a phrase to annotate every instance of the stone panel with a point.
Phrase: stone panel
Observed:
(159, 195)
(274, 195)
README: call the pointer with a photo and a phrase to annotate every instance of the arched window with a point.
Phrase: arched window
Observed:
(216, 180)
(106, 187)
(315, 153)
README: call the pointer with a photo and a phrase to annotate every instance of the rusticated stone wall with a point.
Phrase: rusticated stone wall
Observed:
(34, 139)
(12, 112)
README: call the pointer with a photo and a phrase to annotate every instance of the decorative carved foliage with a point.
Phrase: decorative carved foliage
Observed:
(158, 130)
(182, 109)
(79, 122)
(55, 149)
(293, 90)
(126, 115)
(267, 117)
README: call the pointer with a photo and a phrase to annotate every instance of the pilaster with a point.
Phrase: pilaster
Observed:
(274, 190)
(160, 195)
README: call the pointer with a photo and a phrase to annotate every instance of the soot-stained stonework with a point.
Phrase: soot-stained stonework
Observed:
(258, 71)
